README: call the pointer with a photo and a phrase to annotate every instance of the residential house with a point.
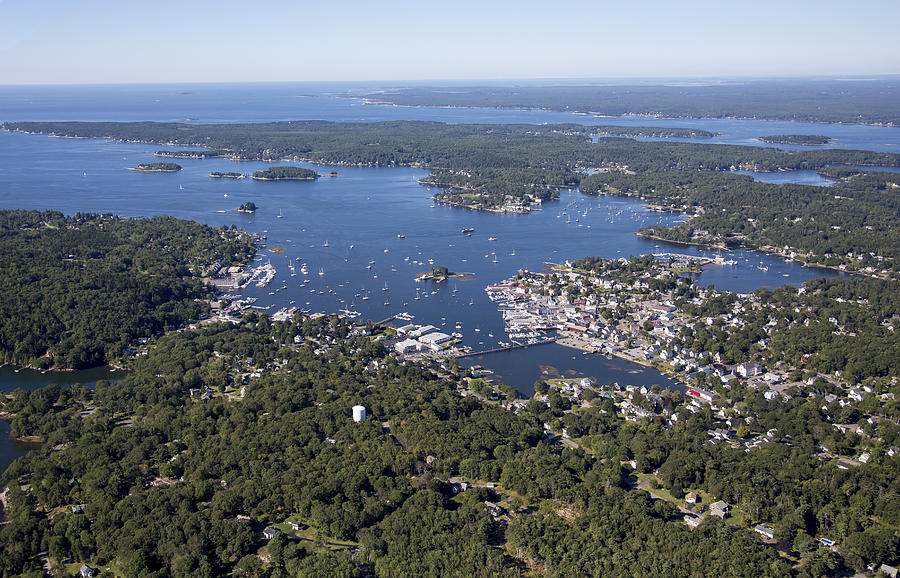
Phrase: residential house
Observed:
(766, 531)
(719, 509)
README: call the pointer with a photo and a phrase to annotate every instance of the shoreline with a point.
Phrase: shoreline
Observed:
(460, 205)
(574, 343)
(596, 114)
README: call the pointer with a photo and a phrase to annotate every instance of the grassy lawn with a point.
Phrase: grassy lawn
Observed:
(310, 534)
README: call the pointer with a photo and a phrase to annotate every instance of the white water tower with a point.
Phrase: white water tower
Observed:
(359, 413)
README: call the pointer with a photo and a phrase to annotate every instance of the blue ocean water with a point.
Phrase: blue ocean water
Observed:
(361, 214)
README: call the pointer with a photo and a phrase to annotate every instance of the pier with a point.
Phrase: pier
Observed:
(718, 260)
(515, 345)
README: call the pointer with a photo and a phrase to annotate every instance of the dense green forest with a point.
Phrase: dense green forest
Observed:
(77, 290)
(870, 102)
(487, 166)
(168, 484)
(286, 174)
(457, 146)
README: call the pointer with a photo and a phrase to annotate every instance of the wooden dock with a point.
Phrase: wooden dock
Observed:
(516, 345)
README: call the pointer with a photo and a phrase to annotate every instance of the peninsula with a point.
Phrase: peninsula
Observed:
(514, 168)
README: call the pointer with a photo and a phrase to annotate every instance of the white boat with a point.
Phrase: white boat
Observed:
(321, 272)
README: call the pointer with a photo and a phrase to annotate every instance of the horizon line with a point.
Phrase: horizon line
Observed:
(622, 80)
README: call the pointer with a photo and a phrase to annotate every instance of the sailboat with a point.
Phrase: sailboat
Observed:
(321, 272)
(279, 214)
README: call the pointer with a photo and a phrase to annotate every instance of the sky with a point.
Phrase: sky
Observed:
(121, 41)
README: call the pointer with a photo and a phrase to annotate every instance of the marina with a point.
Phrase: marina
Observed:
(335, 235)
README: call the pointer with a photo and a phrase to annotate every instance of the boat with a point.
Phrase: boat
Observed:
(401, 236)
(279, 216)
(321, 272)
(468, 231)
(325, 244)
(492, 238)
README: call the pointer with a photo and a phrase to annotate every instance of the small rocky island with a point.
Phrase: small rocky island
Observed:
(285, 174)
(228, 175)
(157, 168)
(247, 208)
(797, 139)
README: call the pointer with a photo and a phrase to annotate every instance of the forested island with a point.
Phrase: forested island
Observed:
(228, 175)
(157, 168)
(807, 100)
(285, 174)
(248, 207)
(797, 139)
(511, 168)
(79, 290)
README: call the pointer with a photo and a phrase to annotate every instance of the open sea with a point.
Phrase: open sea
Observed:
(346, 229)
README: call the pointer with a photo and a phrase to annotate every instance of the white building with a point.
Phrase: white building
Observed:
(407, 346)
(435, 339)
(359, 413)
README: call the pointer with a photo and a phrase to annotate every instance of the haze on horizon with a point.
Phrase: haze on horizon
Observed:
(102, 41)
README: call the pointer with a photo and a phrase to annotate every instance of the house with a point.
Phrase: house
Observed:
(766, 531)
(269, 532)
(297, 526)
(748, 369)
(691, 498)
(86, 571)
(888, 570)
(719, 509)
(692, 521)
